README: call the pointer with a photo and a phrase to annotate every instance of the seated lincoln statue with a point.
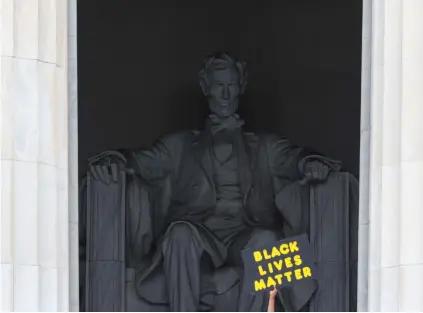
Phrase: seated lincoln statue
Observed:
(211, 193)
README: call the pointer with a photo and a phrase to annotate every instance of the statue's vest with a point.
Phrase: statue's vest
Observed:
(193, 191)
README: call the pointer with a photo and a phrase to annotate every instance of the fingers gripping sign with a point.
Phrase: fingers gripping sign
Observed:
(272, 296)
(273, 292)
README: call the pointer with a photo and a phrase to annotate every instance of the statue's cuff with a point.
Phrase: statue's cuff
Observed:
(108, 154)
(334, 165)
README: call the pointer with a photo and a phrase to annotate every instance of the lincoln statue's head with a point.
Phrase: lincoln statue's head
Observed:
(223, 80)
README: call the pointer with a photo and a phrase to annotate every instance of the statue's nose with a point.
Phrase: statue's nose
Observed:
(225, 93)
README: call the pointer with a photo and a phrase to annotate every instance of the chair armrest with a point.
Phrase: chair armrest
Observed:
(105, 246)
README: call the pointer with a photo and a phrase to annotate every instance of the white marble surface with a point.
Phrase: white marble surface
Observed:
(26, 288)
(6, 216)
(411, 230)
(25, 235)
(47, 31)
(389, 294)
(47, 103)
(7, 28)
(6, 291)
(72, 72)
(411, 288)
(412, 109)
(34, 164)
(48, 232)
(365, 135)
(49, 289)
(412, 30)
(26, 31)
(395, 202)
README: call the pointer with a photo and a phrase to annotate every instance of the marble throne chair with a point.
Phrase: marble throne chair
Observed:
(109, 262)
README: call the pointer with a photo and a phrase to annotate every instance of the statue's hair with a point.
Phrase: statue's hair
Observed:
(221, 61)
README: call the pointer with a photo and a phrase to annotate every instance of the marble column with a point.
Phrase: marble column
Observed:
(365, 146)
(73, 157)
(34, 164)
(391, 221)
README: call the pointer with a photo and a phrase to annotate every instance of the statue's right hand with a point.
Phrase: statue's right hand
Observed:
(106, 166)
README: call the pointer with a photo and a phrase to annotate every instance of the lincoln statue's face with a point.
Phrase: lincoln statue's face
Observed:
(224, 91)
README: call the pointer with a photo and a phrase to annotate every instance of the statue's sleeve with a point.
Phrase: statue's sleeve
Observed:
(157, 162)
(287, 161)
(283, 158)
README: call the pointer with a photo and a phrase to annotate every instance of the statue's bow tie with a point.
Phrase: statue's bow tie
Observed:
(230, 123)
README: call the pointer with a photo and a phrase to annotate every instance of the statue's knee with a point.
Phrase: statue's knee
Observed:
(180, 233)
(262, 237)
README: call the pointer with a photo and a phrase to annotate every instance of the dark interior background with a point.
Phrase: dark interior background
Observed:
(138, 65)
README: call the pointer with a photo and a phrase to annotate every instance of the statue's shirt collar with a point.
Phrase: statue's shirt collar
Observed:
(216, 123)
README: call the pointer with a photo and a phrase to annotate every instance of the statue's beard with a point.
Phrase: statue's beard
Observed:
(223, 110)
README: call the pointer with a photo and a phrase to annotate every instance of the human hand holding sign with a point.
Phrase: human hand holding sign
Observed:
(272, 296)
(273, 292)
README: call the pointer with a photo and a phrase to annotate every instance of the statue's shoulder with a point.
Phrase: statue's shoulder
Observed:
(177, 136)
(262, 138)
(265, 138)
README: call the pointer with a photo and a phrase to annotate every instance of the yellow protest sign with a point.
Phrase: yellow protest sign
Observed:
(280, 263)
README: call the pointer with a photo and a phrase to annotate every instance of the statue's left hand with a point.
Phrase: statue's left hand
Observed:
(315, 171)
(104, 167)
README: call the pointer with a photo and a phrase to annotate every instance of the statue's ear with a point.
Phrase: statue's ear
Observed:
(242, 69)
(243, 86)
(203, 86)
